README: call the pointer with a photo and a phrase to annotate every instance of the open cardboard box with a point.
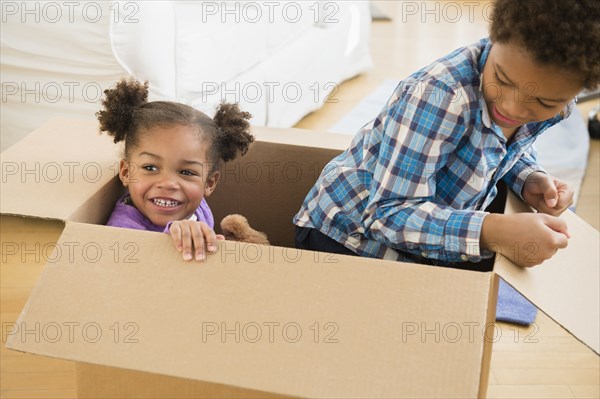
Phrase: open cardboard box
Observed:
(256, 321)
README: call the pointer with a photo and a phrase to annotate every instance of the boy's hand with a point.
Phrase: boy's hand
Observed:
(192, 237)
(527, 239)
(547, 194)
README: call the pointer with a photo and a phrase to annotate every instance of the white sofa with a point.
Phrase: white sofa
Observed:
(278, 59)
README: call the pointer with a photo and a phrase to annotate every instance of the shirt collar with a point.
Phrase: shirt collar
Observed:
(485, 113)
(487, 46)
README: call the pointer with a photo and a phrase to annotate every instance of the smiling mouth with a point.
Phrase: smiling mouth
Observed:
(165, 203)
(504, 118)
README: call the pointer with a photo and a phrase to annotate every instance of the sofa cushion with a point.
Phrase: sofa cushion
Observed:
(215, 41)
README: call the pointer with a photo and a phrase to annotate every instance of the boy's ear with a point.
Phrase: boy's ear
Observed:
(124, 172)
(211, 184)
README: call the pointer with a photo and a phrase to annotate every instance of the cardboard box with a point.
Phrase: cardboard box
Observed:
(255, 321)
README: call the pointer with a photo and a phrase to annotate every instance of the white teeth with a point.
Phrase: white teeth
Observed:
(164, 202)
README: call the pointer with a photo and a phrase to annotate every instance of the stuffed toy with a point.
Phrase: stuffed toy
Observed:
(237, 228)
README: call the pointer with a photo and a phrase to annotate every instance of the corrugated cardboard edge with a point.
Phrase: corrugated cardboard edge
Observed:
(487, 343)
(89, 376)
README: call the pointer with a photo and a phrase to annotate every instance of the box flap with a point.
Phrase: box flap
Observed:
(73, 166)
(52, 172)
(269, 184)
(266, 318)
(565, 287)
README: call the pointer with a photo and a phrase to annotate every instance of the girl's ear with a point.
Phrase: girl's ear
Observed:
(211, 184)
(124, 172)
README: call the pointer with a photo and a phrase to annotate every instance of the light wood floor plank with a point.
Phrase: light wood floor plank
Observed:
(557, 365)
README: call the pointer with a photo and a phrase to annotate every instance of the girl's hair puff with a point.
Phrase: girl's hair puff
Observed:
(127, 114)
(120, 106)
(234, 136)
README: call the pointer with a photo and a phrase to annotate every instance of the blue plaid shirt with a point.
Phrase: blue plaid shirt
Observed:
(417, 178)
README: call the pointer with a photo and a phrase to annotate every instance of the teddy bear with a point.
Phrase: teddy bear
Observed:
(236, 228)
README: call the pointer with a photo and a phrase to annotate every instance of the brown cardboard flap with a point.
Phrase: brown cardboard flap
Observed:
(66, 170)
(56, 169)
(565, 287)
(268, 186)
(270, 319)
(95, 382)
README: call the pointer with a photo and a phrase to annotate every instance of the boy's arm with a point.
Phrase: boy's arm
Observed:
(537, 188)
(515, 178)
(417, 138)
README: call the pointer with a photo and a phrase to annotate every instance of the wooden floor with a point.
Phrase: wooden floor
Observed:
(543, 361)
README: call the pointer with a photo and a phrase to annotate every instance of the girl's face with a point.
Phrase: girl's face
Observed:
(519, 91)
(167, 173)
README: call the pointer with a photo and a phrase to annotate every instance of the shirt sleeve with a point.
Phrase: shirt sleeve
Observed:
(128, 217)
(419, 132)
(515, 178)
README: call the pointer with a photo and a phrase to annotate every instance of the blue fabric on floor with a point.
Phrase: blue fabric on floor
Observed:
(513, 307)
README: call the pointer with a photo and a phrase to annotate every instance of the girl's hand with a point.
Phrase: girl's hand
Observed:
(547, 194)
(192, 237)
(527, 239)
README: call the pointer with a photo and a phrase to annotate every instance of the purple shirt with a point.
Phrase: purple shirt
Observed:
(126, 215)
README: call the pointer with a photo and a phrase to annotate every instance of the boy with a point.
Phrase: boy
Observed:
(415, 182)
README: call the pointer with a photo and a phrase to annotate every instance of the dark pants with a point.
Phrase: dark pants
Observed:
(314, 240)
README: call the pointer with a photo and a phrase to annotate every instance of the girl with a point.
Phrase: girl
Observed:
(171, 162)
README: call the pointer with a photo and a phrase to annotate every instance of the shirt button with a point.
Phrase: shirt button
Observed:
(424, 254)
(464, 257)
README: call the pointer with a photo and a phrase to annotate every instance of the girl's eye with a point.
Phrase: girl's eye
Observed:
(149, 168)
(188, 173)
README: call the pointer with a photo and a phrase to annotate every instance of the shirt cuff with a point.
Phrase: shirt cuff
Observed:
(519, 173)
(462, 234)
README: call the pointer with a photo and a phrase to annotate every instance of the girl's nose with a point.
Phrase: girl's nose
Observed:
(167, 181)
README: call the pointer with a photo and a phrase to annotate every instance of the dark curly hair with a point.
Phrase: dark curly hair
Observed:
(127, 113)
(561, 33)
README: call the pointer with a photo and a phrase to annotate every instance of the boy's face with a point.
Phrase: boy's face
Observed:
(167, 173)
(518, 91)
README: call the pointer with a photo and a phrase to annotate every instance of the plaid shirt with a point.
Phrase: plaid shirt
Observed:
(417, 177)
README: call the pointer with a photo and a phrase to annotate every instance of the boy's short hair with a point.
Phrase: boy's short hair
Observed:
(560, 33)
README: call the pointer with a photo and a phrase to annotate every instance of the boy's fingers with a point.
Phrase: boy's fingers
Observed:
(558, 225)
(562, 241)
(550, 195)
(565, 197)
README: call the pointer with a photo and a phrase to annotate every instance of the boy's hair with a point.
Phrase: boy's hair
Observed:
(560, 33)
(127, 113)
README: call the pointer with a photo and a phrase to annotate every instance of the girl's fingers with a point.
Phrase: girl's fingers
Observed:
(210, 237)
(192, 237)
(175, 232)
(198, 240)
(186, 241)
